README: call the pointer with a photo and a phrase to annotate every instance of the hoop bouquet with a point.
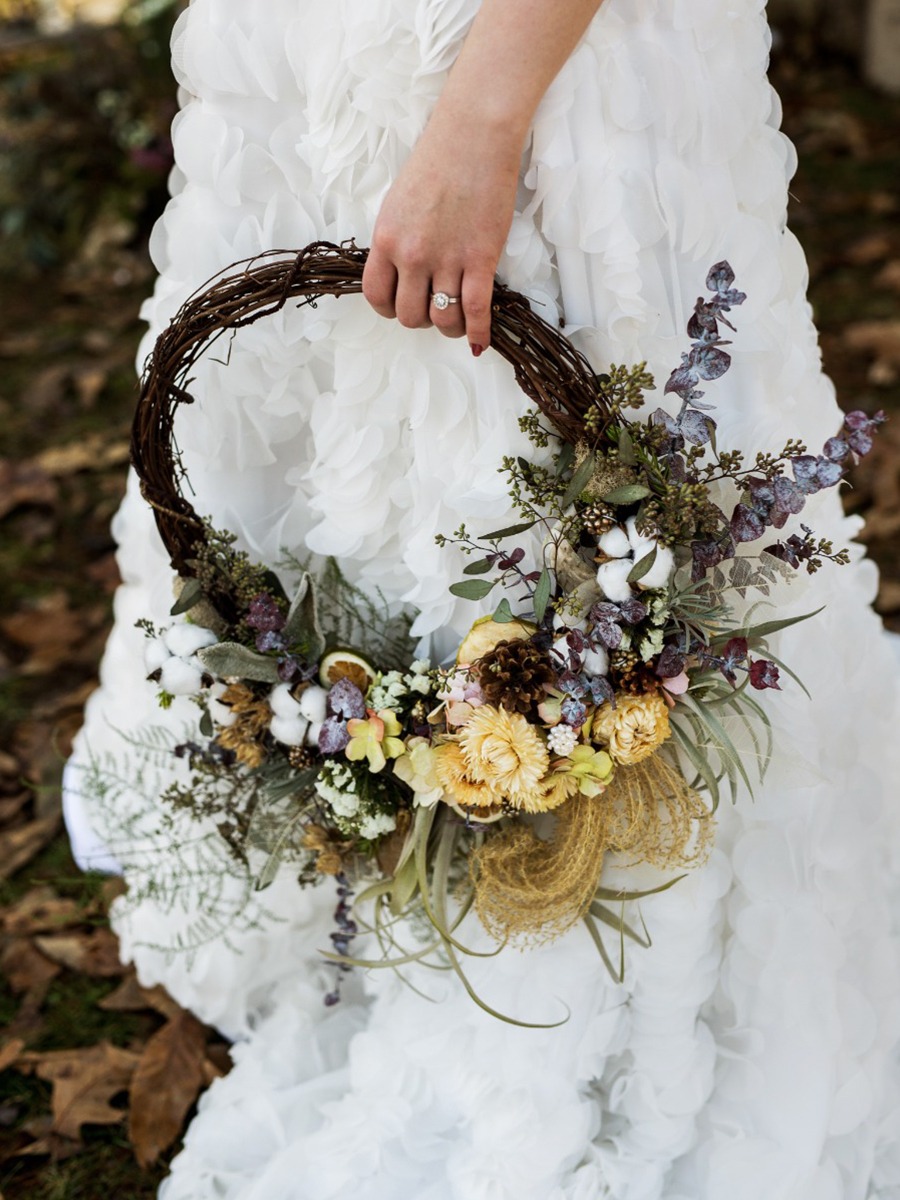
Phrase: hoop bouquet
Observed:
(599, 709)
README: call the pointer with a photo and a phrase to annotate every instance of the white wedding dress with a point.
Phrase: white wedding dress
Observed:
(750, 1053)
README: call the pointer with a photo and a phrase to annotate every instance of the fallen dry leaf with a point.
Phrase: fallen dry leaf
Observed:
(8, 764)
(96, 452)
(11, 806)
(84, 1082)
(888, 596)
(889, 275)
(40, 910)
(19, 846)
(25, 969)
(95, 953)
(870, 248)
(165, 1085)
(89, 384)
(9, 1052)
(49, 631)
(25, 483)
(129, 996)
(879, 338)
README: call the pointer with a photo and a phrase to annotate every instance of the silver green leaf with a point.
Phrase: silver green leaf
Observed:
(628, 493)
(642, 566)
(227, 659)
(472, 589)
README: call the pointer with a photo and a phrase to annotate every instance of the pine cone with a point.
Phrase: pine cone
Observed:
(301, 758)
(630, 674)
(598, 518)
(513, 674)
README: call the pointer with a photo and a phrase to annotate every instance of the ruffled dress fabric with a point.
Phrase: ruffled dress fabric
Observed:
(751, 1051)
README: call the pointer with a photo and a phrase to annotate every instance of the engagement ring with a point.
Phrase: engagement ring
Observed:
(441, 300)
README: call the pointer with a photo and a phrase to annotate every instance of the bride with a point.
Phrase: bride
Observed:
(598, 159)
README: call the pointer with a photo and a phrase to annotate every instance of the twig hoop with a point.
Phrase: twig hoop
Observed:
(548, 368)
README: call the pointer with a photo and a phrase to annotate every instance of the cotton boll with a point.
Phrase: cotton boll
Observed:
(312, 734)
(312, 704)
(156, 652)
(290, 731)
(180, 677)
(282, 703)
(561, 648)
(220, 713)
(185, 640)
(638, 542)
(613, 579)
(661, 571)
(569, 621)
(596, 662)
(615, 542)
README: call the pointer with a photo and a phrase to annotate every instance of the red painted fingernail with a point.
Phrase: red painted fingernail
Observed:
(477, 350)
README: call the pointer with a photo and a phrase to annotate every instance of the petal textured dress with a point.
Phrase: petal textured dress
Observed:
(750, 1052)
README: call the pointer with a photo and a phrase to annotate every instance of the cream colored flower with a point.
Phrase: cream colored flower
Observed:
(459, 787)
(486, 633)
(418, 769)
(634, 729)
(503, 750)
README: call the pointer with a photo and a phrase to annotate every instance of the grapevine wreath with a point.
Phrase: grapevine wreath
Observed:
(591, 714)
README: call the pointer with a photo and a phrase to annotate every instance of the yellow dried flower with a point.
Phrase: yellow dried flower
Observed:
(460, 788)
(634, 729)
(504, 751)
(556, 789)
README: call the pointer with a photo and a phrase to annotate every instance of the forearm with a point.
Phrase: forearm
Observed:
(513, 52)
(443, 224)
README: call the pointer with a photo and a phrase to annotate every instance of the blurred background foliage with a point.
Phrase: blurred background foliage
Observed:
(85, 106)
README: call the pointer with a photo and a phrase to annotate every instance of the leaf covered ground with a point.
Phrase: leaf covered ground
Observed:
(97, 1075)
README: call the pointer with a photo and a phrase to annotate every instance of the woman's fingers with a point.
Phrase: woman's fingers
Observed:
(379, 283)
(413, 297)
(477, 295)
(400, 285)
(446, 305)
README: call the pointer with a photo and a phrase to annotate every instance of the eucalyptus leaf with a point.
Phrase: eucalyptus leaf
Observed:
(503, 613)
(579, 480)
(480, 566)
(642, 566)
(628, 493)
(510, 531)
(207, 728)
(566, 454)
(472, 589)
(627, 456)
(191, 594)
(232, 659)
(542, 595)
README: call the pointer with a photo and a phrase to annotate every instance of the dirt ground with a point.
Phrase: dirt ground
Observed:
(85, 1047)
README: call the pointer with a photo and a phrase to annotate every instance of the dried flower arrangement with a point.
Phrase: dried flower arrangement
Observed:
(590, 714)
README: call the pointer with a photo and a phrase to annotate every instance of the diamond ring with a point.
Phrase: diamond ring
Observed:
(441, 300)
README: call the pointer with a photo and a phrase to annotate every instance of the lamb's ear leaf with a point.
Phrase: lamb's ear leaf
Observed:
(231, 658)
(301, 629)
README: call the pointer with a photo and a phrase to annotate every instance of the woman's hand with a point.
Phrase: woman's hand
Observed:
(442, 228)
(444, 223)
